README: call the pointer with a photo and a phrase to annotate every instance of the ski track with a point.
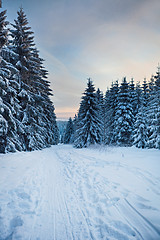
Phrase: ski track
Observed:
(60, 194)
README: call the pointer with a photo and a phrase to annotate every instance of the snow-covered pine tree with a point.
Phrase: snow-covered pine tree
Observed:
(3, 121)
(153, 113)
(114, 93)
(133, 97)
(38, 111)
(124, 116)
(145, 93)
(75, 121)
(3, 30)
(46, 119)
(100, 103)
(140, 135)
(150, 114)
(69, 132)
(141, 126)
(138, 96)
(157, 100)
(107, 118)
(9, 139)
(88, 124)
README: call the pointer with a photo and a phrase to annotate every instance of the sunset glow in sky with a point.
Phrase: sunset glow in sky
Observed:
(102, 39)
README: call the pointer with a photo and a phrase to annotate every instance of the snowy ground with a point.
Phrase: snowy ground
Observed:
(62, 193)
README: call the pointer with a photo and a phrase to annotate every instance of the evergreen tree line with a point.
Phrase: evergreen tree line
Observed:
(127, 115)
(27, 118)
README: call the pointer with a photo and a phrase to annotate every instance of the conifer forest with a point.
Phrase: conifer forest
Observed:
(79, 145)
(27, 118)
(127, 114)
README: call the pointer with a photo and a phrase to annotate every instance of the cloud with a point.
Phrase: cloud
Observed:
(104, 40)
(66, 87)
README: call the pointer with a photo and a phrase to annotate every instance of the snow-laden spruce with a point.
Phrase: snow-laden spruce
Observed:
(140, 134)
(123, 116)
(25, 103)
(153, 112)
(111, 101)
(88, 127)
(68, 137)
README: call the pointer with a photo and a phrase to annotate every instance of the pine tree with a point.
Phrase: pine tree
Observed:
(88, 126)
(100, 104)
(38, 115)
(150, 114)
(9, 139)
(69, 132)
(138, 99)
(124, 116)
(153, 113)
(145, 93)
(75, 122)
(3, 30)
(133, 96)
(107, 118)
(114, 95)
(140, 136)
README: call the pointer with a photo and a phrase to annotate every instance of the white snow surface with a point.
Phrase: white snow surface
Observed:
(63, 193)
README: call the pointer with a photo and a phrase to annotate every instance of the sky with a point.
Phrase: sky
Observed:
(101, 39)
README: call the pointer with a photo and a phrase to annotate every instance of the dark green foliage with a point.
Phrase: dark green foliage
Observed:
(68, 137)
(88, 130)
(123, 116)
(28, 121)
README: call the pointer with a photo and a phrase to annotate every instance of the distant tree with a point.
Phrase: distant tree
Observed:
(88, 124)
(69, 132)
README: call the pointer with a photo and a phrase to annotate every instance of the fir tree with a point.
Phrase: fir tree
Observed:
(124, 116)
(145, 93)
(38, 115)
(133, 96)
(107, 118)
(153, 113)
(3, 30)
(114, 98)
(138, 97)
(88, 126)
(9, 139)
(69, 132)
(100, 104)
(140, 136)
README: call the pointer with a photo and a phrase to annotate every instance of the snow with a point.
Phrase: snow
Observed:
(63, 193)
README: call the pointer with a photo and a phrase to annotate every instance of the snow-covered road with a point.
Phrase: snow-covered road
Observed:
(62, 193)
